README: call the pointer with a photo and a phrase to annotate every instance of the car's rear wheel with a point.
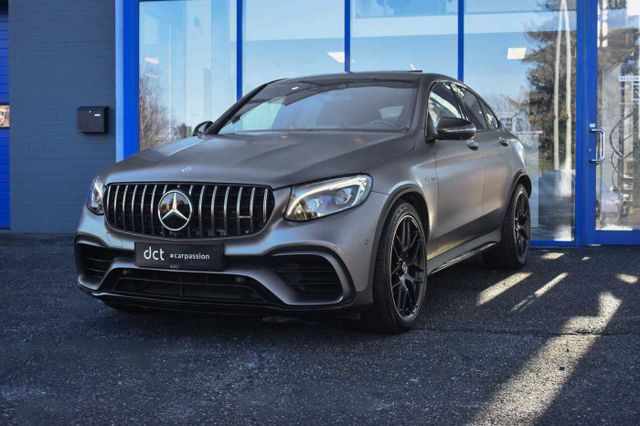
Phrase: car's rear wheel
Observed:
(513, 249)
(400, 280)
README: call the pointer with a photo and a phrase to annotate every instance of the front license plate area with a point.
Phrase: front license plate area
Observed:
(208, 257)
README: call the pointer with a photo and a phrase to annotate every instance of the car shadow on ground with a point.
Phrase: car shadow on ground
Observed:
(557, 341)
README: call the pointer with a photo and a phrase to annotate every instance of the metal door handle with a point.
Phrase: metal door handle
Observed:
(601, 149)
(503, 141)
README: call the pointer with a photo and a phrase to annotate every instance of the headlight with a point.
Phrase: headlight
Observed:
(320, 199)
(94, 201)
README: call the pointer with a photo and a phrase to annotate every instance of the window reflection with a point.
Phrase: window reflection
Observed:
(404, 35)
(283, 39)
(618, 176)
(520, 56)
(187, 66)
(386, 8)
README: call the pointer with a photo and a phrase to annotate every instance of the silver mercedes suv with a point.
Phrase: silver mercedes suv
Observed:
(324, 193)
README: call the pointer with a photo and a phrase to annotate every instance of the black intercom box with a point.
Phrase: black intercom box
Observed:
(93, 119)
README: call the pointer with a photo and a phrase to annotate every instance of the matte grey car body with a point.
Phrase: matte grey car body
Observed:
(460, 188)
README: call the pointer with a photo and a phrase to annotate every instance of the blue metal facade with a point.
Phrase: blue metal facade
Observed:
(5, 212)
(62, 56)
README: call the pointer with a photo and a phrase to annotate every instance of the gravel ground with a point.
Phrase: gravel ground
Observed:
(558, 342)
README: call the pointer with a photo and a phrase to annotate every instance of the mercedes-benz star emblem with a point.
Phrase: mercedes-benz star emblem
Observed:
(174, 210)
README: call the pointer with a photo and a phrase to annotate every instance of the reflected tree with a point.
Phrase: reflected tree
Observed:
(154, 123)
(182, 131)
(551, 95)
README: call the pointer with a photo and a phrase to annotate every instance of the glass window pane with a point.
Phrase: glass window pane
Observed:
(520, 57)
(187, 66)
(618, 176)
(283, 39)
(380, 106)
(404, 35)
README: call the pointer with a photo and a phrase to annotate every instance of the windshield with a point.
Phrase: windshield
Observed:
(372, 106)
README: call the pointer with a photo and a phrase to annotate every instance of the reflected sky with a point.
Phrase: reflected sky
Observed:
(285, 39)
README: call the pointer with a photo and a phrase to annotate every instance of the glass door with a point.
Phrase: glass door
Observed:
(614, 131)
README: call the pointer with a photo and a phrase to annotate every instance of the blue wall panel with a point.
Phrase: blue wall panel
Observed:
(62, 56)
(4, 133)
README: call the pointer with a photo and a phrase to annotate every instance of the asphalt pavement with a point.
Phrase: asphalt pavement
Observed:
(557, 342)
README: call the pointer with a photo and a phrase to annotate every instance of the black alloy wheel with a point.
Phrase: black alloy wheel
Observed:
(407, 264)
(400, 280)
(522, 226)
(512, 250)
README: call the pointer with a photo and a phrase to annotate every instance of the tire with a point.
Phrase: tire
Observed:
(129, 309)
(513, 249)
(400, 273)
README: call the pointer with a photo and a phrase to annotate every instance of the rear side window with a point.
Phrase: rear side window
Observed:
(442, 103)
(473, 107)
(492, 120)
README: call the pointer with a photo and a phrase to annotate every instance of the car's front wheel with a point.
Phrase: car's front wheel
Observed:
(400, 278)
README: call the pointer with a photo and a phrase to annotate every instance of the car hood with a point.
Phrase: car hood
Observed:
(273, 159)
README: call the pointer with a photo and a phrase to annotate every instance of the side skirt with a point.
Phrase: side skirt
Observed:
(463, 252)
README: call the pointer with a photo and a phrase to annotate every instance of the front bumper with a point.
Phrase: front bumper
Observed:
(336, 252)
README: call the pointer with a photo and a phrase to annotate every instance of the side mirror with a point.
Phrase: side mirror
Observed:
(455, 128)
(202, 128)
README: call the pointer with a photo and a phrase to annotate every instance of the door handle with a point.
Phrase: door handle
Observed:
(473, 144)
(601, 149)
(503, 141)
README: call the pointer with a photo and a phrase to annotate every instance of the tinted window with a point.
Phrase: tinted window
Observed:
(473, 107)
(315, 106)
(442, 103)
(492, 120)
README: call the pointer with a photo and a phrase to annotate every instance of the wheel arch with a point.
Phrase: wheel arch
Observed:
(524, 179)
(520, 178)
(411, 194)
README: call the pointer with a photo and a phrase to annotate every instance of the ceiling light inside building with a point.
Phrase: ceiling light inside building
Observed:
(337, 56)
(516, 53)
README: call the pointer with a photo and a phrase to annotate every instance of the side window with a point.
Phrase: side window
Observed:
(492, 120)
(473, 107)
(442, 103)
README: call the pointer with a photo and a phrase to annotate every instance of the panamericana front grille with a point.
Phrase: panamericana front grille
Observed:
(218, 210)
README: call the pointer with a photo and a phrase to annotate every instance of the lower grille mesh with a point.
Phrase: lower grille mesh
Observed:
(187, 286)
